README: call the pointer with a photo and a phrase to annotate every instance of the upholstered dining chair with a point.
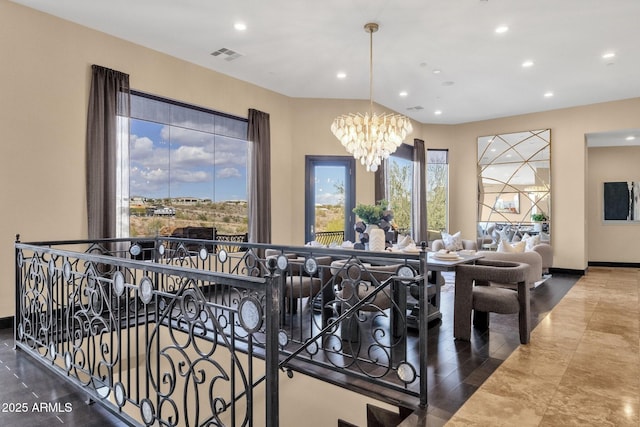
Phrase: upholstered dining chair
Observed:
(356, 282)
(476, 293)
(301, 282)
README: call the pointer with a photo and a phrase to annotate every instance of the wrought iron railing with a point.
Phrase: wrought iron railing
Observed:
(159, 333)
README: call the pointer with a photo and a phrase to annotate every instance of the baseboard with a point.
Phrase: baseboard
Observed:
(569, 271)
(614, 264)
(6, 322)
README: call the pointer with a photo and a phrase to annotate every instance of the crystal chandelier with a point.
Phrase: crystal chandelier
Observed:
(371, 137)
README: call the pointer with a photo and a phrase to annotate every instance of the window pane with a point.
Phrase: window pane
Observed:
(437, 192)
(399, 191)
(329, 198)
(188, 167)
(192, 158)
(149, 160)
(230, 170)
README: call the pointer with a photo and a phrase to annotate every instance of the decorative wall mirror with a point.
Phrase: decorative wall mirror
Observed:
(514, 186)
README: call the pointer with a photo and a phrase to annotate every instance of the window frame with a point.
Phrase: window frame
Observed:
(446, 192)
(219, 120)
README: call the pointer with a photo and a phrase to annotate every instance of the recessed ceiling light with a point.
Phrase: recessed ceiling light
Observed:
(608, 55)
(437, 71)
(502, 29)
(527, 64)
(630, 138)
(240, 26)
(403, 93)
(437, 112)
(341, 75)
(548, 94)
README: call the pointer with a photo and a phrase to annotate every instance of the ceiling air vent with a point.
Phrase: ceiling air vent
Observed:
(416, 108)
(227, 54)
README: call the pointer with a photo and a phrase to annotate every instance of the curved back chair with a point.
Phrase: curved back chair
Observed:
(300, 283)
(357, 282)
(474, 293)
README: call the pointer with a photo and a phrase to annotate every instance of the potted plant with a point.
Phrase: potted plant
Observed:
(372, 216)
(538, 218)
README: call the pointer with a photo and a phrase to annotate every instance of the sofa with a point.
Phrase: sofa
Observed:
(546, 252)
(438, 244)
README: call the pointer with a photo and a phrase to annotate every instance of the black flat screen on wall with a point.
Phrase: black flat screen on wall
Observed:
(622, 201)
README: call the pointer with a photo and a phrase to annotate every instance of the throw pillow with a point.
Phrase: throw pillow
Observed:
(452, 242)
(531, 241)
(508, 247)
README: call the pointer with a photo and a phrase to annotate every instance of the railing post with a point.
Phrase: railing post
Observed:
(18, 276)
(423, 328)
(272, 307)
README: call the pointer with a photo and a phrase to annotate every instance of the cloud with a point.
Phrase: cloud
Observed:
(182, 175)
(228, 173)
(328, 198)
(182, 156)
(188, 152)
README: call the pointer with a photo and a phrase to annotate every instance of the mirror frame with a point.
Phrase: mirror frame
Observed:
(514, 182)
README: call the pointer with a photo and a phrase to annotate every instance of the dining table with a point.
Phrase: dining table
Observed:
(436, 262)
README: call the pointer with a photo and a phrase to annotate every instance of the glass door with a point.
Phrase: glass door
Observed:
(329, 199)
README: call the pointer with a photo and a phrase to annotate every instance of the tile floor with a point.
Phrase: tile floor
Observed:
(582, 367)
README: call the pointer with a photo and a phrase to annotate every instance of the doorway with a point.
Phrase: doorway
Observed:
(329, 199)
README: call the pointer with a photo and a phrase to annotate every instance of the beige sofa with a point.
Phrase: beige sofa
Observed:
(546, 252)
(438, 244)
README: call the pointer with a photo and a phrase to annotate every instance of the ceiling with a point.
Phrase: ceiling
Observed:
(297, 47)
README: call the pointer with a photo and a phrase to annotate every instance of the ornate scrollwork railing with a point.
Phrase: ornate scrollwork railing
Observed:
(150, 326)
(141, 337)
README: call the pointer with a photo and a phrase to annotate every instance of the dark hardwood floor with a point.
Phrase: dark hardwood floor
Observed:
(33, 396)
(456, 369)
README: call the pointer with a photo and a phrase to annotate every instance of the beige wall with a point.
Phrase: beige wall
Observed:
(611, 241)
(44, 81)
(568, 169)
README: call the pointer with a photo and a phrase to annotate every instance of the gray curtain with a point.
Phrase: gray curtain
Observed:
(109, 97)
(259, 136)
(380, 185)
(419, 203)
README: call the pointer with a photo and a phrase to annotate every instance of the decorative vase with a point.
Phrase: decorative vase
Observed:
(377, 239)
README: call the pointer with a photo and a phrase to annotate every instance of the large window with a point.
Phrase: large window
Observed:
(400, 187)
(187, 167)
(437, 192)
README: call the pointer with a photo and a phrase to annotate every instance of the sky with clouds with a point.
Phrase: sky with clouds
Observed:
(172, 161)
(328, 180)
